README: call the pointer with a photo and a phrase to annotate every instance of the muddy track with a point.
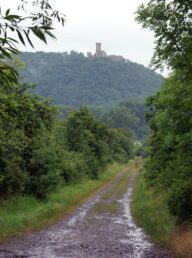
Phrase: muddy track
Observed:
(101, 228)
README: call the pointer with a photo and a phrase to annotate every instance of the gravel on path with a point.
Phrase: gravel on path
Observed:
(101, 228)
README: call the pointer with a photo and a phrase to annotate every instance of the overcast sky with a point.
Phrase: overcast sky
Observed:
(111, 22)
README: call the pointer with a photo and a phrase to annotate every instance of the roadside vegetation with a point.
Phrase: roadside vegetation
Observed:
(151, 212)
(39, 153)
(27, 213)
(163, 194)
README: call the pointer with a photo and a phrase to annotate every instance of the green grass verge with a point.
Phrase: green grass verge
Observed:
(150, 212)
(25, 214)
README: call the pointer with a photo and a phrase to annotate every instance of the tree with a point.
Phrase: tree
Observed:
(121, 145)
(169, 165)
(171, 23)
(84, 134)
(121, 117)
(39, 21)
(23, 116)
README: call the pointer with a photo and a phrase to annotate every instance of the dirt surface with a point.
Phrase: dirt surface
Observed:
(101, 228)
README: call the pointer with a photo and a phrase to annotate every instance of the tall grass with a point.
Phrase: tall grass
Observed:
(150, 212)
(24, 214)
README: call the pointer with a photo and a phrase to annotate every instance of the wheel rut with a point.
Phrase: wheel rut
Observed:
(101, 228)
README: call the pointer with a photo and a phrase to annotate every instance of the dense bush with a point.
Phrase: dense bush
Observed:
(140, 150)
(23, 116)
(73, 167)
(170, 142)
(170, 117)
(120, 145)
(44, 167)
(85, 135)
(38, 153)
(179, 199)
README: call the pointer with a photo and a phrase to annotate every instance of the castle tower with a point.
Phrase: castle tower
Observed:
(98, 48)
(99, 52)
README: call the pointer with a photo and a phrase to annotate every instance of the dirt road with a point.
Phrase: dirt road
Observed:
(102, 228)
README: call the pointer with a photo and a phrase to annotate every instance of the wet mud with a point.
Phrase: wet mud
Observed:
(101, 228)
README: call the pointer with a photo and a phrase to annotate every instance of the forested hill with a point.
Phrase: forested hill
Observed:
(73, 79)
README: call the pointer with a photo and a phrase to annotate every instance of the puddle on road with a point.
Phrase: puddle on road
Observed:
(135, 235)
(81, 212)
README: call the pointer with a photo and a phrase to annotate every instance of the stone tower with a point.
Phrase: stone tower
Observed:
(99, 52)
(98, 48)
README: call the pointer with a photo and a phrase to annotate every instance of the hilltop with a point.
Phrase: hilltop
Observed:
(74, 79)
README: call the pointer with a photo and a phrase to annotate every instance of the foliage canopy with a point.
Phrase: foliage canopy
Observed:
(171, 23)
(169, 165)
(37, 17)
(73, 79)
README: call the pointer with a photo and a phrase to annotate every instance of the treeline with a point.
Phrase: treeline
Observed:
(114, 91)
(129, 114)
(170, 163)
(39, 152)
(73, 79)
(169, 166)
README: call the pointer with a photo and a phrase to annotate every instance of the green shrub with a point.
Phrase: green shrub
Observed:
(120, 145)
(87, 136)
(23, 116)
(44, 167)
(38, 153)
(179, 199)
(73, 167)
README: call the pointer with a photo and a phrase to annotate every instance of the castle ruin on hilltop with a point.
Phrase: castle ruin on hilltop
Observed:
(100, 53)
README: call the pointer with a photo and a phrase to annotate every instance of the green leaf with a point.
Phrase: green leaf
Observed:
(50, 34)
(28, 38)
(38, 33)
(13, 50)
(11, 39)
(20, 37)
(11, 28)
(5, 52)
(12, 17)
(7, 12)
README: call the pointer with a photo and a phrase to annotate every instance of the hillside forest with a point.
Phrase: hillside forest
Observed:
(114, 91)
